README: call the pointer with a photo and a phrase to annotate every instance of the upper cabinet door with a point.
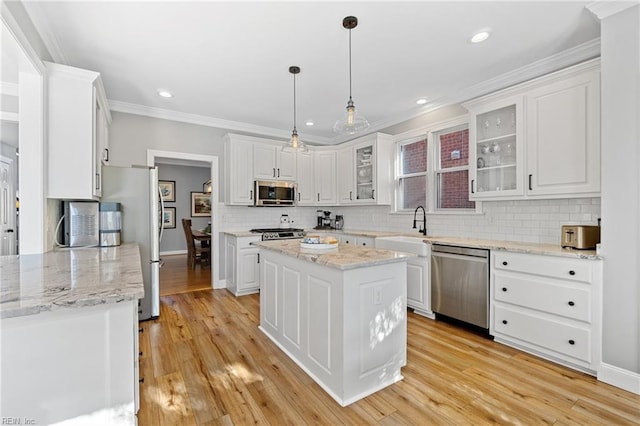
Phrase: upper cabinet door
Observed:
(239, 171)
(346, 188)
(264, 162)
(496, 144)
(325, 177)
(563, 137)
(286, 165)
(78, 119)
(306, 179)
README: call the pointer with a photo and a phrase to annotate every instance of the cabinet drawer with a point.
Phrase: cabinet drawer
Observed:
(550, 266)
(547, 333)
(366, 242)
(543, 295)
(245, 242)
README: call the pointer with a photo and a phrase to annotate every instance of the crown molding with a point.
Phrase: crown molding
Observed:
(14, 28)
(202, 120)
(47, 35)
(604, 9)
(10, 89)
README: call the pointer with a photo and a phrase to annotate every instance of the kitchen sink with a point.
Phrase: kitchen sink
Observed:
(414, 245)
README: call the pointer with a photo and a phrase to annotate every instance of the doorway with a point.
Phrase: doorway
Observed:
(157, 158)
(8, 219)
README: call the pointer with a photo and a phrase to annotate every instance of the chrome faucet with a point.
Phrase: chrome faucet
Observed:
(423, 229)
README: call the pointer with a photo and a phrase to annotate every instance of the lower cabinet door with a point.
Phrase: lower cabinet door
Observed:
(249, 272)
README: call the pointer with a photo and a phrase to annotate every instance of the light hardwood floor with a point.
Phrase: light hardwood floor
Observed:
(205, 362)
(176, 276)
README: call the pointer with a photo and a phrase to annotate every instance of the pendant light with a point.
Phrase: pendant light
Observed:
(295, 144)
(351, 122)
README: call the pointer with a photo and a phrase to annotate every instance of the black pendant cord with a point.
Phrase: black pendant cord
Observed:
(294, 102)
(350, 64)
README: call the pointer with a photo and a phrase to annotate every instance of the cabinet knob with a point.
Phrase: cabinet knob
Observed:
(572, 272)
(140, 353)
(571, 303)
(141, 330)
(505, 263)
(572, 342)
(364, 244)
(504, 289)
(141, 380)
(505, 321)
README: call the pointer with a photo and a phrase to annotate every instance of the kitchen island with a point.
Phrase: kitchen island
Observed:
(340, 314)
(69, 333)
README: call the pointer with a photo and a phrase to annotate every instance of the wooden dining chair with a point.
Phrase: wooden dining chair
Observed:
(195, 252)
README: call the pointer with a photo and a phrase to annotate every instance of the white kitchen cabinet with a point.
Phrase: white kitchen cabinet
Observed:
(238, 151)
(365, 170)
(549, 306)
(496, 149)
(563, 137)
(325, 165)
(346, 185)
(270, 163)
(78, 121)
(539, 139)
(242, 264)
(419, 285)
(306, 179)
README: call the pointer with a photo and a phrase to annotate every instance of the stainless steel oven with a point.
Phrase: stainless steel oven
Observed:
(460, 283)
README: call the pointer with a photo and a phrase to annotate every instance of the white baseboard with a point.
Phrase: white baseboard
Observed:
(221, 284)
(619, 377)
(172, 252)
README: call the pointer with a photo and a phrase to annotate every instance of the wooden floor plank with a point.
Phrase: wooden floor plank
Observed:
(205, 362)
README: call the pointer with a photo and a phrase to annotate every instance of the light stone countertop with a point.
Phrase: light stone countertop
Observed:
(70, 278)
(344, 257)
(512, 246)
(242, 233)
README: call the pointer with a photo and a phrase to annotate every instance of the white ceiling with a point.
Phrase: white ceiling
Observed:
(227, 62)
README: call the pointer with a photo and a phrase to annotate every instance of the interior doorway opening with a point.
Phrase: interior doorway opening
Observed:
(158, 158)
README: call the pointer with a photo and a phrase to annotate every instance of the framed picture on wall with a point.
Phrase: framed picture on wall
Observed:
(168, 190)
(169, 219)
(200, 204)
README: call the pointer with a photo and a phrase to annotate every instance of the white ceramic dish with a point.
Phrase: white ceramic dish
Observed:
(320, 247)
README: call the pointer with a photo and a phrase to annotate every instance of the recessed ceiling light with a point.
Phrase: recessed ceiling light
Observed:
(165, 94)
(309, 123)
(479, 37)
(421, 101)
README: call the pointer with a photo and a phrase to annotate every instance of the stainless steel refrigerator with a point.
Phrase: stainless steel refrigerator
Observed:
(136, 188)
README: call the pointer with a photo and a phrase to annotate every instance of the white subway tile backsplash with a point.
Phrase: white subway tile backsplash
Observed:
(526, 220)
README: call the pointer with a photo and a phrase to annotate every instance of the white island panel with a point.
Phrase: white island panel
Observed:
(352, 322)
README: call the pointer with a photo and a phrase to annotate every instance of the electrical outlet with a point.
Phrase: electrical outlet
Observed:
(377, 296)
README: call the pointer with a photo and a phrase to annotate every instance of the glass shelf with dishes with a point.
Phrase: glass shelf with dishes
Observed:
(364, 173)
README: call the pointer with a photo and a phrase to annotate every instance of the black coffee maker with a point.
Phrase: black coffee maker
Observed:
(326, 220)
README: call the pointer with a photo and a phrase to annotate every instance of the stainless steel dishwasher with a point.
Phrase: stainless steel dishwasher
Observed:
(460, 283)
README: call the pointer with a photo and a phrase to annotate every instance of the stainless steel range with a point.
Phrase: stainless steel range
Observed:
(279, 233)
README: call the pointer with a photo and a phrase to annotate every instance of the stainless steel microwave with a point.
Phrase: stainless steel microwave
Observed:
(274, 193)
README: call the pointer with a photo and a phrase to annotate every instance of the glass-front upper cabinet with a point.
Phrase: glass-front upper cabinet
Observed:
(496, 145)
(365, 189)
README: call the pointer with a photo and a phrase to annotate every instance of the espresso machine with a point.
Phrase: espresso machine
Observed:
(324, 219)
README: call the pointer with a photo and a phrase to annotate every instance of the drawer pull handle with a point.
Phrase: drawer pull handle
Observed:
(141, 330)
(571, 303)
(504, 289)
(572, 342)
(140, 353)
(505, 263)
(505, 321)
(141, 380)
(572, 272)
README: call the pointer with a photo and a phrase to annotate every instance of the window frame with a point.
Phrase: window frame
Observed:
(428, 133)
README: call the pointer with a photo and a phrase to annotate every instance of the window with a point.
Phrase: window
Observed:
(451, 168)
(433, 171)
(411, 182)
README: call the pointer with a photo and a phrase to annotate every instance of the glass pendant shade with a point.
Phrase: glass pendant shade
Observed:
(351, 122)
(295, 144)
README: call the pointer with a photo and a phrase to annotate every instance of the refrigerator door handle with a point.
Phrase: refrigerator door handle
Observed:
(161, 231)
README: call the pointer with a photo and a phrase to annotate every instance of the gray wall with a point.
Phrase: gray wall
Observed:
(131, 135)
(188, 179)
(621, 189)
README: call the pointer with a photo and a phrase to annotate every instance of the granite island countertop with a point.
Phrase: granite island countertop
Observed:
(344, 257)
(69, 278)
